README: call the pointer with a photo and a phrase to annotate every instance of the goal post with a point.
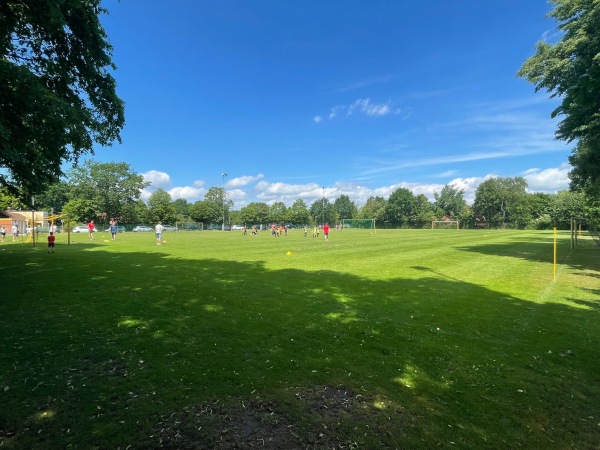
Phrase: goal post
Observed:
(360, 224)
(444, 224)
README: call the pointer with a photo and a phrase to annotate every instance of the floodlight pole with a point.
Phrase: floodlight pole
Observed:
(223, 194)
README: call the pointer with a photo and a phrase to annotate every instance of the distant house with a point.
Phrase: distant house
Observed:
(22, 219)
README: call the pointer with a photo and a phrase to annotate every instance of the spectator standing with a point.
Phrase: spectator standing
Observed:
(158, 229)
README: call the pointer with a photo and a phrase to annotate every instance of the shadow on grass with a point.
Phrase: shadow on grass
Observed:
(541, 251)
(115, 354)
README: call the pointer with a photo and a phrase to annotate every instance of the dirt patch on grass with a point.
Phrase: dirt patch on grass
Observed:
(315, 418)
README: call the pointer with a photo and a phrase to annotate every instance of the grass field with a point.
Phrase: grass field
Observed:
(398, 339)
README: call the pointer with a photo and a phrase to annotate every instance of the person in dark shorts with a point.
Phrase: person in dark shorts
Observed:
(51, 239)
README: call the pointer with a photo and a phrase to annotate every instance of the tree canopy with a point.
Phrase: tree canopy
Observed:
(345, 208)
(450, 201)
(298, 213)
(255, 213)
(322, 212)
(161, 207)
(374, 208)
(400, 207)
(277, 212)
(57, 94)
(570, 70)
(502, 200)
(103, 190)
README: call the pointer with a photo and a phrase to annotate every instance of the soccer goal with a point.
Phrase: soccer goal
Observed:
(360, 224)
(444, 224)
(189, 226)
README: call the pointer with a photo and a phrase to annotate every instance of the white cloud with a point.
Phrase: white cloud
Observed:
(287, 193)
(145, 194)
(317, 119)
(157, 179)
(468, 186)
(242, 192)
(191, 194)
(548, 180)
(239, 197)
(243, 181)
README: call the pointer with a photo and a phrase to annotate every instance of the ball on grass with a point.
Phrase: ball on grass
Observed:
(289, 253)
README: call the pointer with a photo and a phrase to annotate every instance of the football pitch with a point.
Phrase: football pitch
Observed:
(386, 339)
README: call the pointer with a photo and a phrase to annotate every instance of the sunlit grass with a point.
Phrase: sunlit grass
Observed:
(437, 338)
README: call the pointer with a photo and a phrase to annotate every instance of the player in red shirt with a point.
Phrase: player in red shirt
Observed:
(51, 239)
(326, 231)
(91, 229)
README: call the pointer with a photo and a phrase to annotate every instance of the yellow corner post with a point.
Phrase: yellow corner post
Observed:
(555, 254)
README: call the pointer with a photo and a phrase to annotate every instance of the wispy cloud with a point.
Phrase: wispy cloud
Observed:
(446, 174)
(552, 36)
(365, 107)
(504, 129)
(391, 166)
(352, 86)
(423, 95)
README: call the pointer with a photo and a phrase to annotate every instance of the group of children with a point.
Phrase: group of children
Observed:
(316, 231)
(15, 234)
(278, 230)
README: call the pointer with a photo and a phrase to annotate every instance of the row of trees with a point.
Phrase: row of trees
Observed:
(102, 191)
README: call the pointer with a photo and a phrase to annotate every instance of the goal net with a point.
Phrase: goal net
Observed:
(189, 226)
(444, 224)
(361, 224)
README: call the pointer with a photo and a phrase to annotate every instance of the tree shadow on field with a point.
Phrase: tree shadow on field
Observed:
(220, 354)
(540, 251)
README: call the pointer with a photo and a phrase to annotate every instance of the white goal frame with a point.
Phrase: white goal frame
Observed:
(433, 222)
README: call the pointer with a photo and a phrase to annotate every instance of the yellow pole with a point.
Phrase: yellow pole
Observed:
(33, 226)
(554, 254)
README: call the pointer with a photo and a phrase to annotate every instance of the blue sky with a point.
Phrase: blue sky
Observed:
(358, 97)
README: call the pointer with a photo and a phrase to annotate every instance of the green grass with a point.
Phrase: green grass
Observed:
(398, 339)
